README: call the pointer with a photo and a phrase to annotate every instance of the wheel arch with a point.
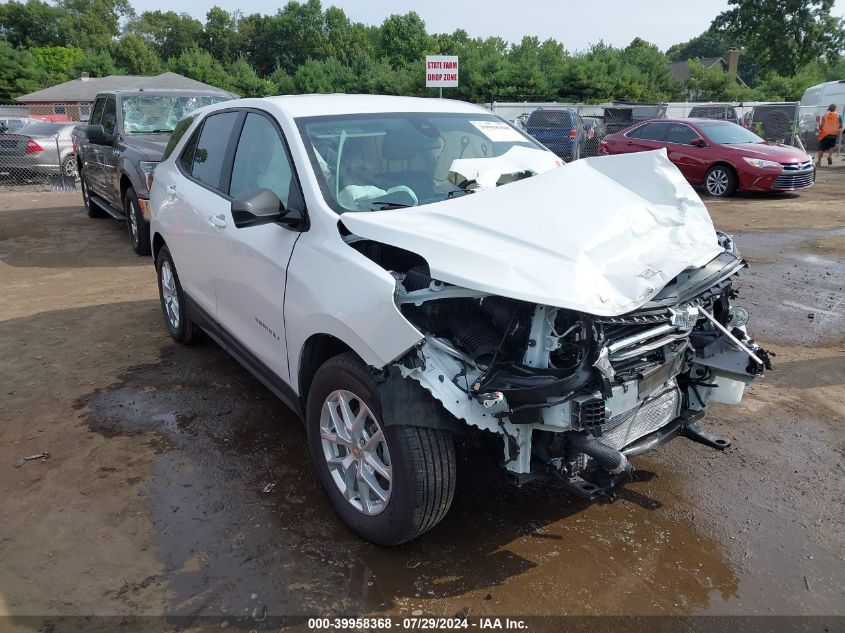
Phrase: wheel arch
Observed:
(157, 244)
(125, 183)
(318, 348)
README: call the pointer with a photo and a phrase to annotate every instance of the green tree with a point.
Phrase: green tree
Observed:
(92, 24)
(784, 35)
(168, 32)
(200, 65)
(246, 82)
(714, 84)
(56, 62)
(132, 54)
(403, 39)
(19, 72)
(221, 34)
(32, 23)
(95, 63)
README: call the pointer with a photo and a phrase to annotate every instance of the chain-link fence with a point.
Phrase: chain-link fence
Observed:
(576, 130)
(37, 149)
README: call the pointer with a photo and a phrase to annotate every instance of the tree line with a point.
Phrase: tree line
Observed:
(786, 46)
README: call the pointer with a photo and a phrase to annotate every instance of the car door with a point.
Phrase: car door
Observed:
(690, 159)
(253, 260)
(197, 201)
(91, 153)
(647, 137)
(109, 155)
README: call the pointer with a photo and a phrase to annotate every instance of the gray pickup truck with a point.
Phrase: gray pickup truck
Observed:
(120, 146)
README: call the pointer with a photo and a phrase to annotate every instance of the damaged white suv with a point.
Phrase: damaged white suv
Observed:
(403, 271)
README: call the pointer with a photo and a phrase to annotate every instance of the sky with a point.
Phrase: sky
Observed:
(576, 24)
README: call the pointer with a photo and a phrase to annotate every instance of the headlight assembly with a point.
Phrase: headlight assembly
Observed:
(760, 163)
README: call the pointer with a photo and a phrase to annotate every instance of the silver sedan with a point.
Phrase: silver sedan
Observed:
(39, 149)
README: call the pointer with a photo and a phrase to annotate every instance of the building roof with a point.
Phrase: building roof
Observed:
(681, 69)
(87, 89)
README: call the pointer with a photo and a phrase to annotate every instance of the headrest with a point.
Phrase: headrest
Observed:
(398, 145)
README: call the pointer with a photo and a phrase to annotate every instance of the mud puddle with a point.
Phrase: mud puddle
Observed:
(227, 547)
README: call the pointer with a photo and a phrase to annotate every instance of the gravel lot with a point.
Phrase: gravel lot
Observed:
(151, 499)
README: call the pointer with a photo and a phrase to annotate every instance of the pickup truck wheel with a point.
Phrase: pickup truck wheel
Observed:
(139, 230)
(93, 210)
(389, 484)
(173, 305)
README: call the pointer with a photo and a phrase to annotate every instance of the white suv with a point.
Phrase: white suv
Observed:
(402, 272)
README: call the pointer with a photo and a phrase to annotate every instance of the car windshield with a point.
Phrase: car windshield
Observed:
(729, 134)
(383, 161)
(151, 114)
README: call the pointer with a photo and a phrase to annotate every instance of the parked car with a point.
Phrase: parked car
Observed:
(120, 147)
(718, 111)
(38, 150)
(401, 270)
(721, 156)
(595, 132)
(559, 129)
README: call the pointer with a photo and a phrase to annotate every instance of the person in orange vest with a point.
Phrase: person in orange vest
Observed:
(830, 125)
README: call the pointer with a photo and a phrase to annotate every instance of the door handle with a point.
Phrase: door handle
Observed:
(629, 143)
(218, 221)
(171, 191)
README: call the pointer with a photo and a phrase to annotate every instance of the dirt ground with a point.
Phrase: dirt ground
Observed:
(151, 500)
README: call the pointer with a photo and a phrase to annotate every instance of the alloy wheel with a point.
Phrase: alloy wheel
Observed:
(69, 168)
(356, 452)
(717, 182)
(169, 294)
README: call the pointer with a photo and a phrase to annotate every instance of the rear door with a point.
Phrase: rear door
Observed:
(253, 260)
(196, 196)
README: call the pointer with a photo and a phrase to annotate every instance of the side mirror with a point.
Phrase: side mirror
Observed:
(698, 142)
(97, 135)
(255, 207)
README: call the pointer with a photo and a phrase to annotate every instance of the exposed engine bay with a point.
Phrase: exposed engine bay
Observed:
(574, 395)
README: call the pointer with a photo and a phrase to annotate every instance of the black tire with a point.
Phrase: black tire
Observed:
(93, 210)
(720, 181)
(422, 460)
(181, 328)
(137, 228)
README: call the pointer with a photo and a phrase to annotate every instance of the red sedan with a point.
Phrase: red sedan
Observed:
(721, 156)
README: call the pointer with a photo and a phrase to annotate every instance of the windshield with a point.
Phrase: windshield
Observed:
(160, 114)
(381, 161)
(729, 134)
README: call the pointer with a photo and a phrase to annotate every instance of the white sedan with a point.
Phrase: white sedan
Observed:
(402, 272)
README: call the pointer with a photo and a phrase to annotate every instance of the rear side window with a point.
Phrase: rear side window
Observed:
(210, 152)
(549, 118)
(176, 136)
(650, 132)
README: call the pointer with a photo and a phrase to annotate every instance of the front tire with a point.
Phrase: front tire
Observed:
(172, 299)
(136, 226)
(720, 181)
(389, 483)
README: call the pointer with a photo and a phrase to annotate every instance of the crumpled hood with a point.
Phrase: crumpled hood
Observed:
(150, 145)
(600, 235)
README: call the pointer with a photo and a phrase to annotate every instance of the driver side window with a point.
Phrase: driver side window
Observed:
(261, 160)
(109, 116)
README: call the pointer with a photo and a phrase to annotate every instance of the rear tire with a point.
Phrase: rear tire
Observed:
(136, 226)
(93, 210)
(420, 462)
(720, 181)
(172, 298)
